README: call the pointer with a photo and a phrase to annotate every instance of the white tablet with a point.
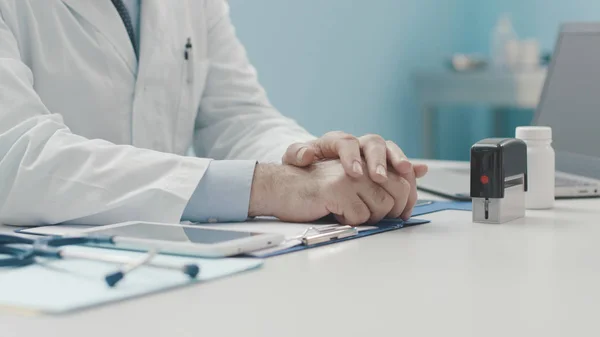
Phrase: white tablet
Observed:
(193, 240)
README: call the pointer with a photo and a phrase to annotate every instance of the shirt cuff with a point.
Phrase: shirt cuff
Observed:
(223, 193)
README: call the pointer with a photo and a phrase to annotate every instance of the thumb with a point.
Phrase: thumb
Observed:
(420, 170)
(299, 154)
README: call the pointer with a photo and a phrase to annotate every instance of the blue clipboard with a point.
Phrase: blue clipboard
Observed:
(383, 226)
(423, 207)
(432, 206)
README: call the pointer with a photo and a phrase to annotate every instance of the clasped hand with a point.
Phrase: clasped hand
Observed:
(359, 180)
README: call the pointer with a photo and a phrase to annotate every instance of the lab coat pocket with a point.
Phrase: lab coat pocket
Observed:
(194, 74)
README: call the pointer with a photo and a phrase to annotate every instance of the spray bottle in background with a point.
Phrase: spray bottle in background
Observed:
(504, 44)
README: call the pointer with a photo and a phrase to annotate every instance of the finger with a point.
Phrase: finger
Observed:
(420, 170)
(354, 211)
(378, 200)
(397, 158)
(407, 171)
(399, 189)
(345, 147)
(412, 195)
(299, 154)
(374, 149)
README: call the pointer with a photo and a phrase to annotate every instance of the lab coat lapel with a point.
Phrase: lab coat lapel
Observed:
(104, 16)
(159, 77)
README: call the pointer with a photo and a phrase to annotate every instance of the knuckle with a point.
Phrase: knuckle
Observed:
(385, 211)
(376, 138)
(394, 178)
(389, 204)
(398, 208)
(373, 140)
(333, 206)
(380, 213)
(346, 136)
(361, 211)
(358, 206)
(380, 196)
(404, 185)
(339, 135)
(390, 143)
(363, 217)
(345, 140)
(350, 140)
(343, 136)
(331, 134)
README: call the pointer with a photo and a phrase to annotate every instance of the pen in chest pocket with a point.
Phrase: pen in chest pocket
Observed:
(189, 60)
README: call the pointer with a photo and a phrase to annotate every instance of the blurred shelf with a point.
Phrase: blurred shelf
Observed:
(499, 90)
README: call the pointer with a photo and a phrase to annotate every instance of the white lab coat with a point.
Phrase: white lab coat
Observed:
(85, 140)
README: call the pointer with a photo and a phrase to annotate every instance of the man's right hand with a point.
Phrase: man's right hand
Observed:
(307, 194)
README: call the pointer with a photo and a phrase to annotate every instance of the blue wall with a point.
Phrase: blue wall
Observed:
(342, 64)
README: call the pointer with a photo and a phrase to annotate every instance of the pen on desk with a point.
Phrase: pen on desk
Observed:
(189, 60)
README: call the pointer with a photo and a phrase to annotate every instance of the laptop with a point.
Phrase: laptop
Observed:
(570, 105)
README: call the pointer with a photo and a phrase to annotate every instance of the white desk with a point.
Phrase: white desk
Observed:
(499, 90)
(538, 276)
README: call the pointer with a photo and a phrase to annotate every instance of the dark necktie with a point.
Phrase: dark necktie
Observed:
(124, 13)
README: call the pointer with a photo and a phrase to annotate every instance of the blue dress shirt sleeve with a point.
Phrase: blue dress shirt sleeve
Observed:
(223, 193)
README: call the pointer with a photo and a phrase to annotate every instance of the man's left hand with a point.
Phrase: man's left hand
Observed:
(376, 151)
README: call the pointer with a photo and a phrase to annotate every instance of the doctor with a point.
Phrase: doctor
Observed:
(101, 99)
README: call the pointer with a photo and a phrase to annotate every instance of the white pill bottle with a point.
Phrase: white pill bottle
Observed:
(540, 166)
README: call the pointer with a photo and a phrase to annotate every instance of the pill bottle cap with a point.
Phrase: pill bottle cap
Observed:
(534, 133)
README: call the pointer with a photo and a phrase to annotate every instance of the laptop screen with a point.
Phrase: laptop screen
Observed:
(570, 102)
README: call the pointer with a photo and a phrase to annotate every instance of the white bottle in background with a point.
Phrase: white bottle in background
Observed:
(529, 54)
(540, 166)
(504, 44)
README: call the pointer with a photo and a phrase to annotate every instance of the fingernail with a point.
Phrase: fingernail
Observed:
(300, 154)
(381, 171)
(357, 168)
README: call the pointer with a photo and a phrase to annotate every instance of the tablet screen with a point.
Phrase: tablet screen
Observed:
(174, 233)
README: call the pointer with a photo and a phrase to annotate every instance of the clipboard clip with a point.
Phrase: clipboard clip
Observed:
(316, 235)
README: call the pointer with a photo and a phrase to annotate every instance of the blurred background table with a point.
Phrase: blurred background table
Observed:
(499, 90)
